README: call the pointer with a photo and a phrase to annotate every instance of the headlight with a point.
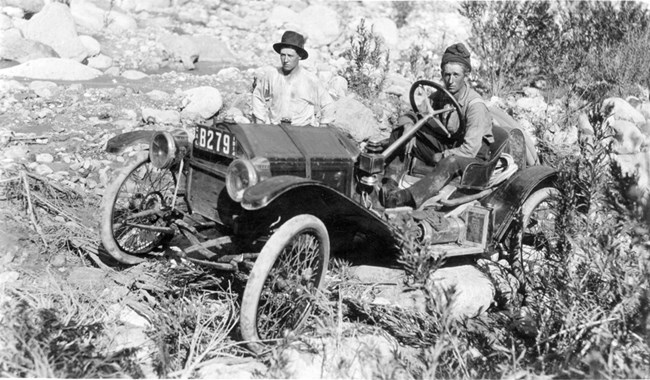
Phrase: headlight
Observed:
(240, 176)
(164, 148)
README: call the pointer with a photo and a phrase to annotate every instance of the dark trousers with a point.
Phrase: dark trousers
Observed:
(444, 171)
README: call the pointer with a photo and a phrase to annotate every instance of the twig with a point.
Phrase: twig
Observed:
(9, 179)
(579, 327)
(30, 208)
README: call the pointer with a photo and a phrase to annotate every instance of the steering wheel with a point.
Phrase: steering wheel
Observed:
(427, 83)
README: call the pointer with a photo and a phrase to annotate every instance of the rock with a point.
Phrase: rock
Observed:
(584, 125)
(91, 19)
(225, 369)
(145, 5)
(112, 71)
(44, 89)
(29, 6)
(54, 26)
(134, 74)
(637, 163)
(532, 92)
(158, 96)
(387, 30)
(471, 291)
(183, 48)
(355, 118)
(5, 22)
(8, 277)
(320, 24)
(52, 69)
(338, 87)
(229, 73)
(14, 47)
(44, 158)
(154, 116)
(281, 15)
(622, 110)
(205, 101)
(126, 315)
(43, 170)
(534, 105)
(628, 136)
(58, 261)
(100, 62)
(211, 49)
(389, 287)
(644, 109)
(92, 45)
(9, 86)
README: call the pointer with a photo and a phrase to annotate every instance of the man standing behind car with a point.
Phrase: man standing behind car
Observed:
(290, 94)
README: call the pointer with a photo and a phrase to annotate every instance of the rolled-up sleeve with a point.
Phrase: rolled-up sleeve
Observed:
(260, 110)
(479, 126)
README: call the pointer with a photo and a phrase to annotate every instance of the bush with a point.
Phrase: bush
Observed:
(368, 63)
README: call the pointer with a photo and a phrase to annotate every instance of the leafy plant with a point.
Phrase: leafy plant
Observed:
(368, 63)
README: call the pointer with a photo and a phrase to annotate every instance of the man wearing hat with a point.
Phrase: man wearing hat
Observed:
(289, 94)
(449, 156)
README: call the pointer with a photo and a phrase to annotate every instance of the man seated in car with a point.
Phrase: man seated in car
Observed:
(291, 94)
(448, 155)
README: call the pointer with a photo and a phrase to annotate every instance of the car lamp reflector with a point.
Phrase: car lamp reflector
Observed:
(240, 176)
(162, 150)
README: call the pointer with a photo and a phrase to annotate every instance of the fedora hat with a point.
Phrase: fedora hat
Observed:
(292, 40)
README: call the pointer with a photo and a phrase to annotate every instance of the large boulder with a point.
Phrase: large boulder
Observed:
(281, 15)
(204, 101)
(5, 22)
(29, 6)
(211, 49)
(52, 69)
(320, 24)
(644, 109)
(628, 137)
(355, 119)
(182, 48)
(54, 26)
(92, 46)
(100, 62)
(619, 109)
(91, 19)
(14, 47)
(387, 30)
(464, 290)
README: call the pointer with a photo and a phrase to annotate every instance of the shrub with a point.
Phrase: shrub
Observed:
(368, 63)
(402, 9)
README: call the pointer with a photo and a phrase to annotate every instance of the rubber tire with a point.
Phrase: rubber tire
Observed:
(263, 265)
(106, 221)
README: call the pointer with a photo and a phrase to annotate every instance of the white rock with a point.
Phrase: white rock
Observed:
(170, 117)
(644, 109)
(54, 26)
(387, 30)
(355, 118)
(534, 105)
(212, 49)
(145, 5)
(281, 15)
(43, 170)
(637, 163)
(183, 48)
(622, 110)
(5, 22)
(474, 291)
(320, 24)
(628, 136)
(14, 47)
(229, 73)
(44, 89)
(92, 45)
(45, 158)
(52, 69)
(29, 6)
(11, 85)
(9, 277)
(205, 101)
(134, 74)
(100, 62)
(91, 19)
(157, 95)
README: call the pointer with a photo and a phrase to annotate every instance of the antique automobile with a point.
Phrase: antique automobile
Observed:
(285, 198)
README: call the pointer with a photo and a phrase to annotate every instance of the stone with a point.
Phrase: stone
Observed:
(464, 290)
(205, 101)
(44, 89)
(52, 69)
(145, 5)
(92, 46)
(223, 369)
(54, 26)
(5, 22)
(535, 105)
(320, 24)
(389, 288)
(14, 47)
(100, 62)
(628, 136)
(29, 6)
(281, 15)
(43, 170)
(158, 95)
(90, 19)
(44, 158)
(182, 48)
(155, 116)
(639, 164)
(352, 117)
(212, 49)
(387, 30)
(229, 73)
(58, 261)
(8, 277)
(134, 74)
(619, 109)
(644, 109)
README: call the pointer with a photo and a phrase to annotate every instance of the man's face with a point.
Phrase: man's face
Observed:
(453, 74)
(289, 58)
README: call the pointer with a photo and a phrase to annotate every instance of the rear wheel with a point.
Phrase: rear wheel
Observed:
(135, 210)
(286, 276)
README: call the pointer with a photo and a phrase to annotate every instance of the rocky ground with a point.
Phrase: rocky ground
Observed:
(74, 76)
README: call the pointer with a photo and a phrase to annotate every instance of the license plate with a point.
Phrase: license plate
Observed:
(215, 140)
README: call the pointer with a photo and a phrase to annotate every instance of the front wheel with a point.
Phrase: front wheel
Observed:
(287, 274)
(135, 210)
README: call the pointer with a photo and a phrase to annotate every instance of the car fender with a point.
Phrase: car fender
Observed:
(509, 197)
(120, 142)
(290, 195)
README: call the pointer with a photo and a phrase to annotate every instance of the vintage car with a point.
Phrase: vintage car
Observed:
(285, 198)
